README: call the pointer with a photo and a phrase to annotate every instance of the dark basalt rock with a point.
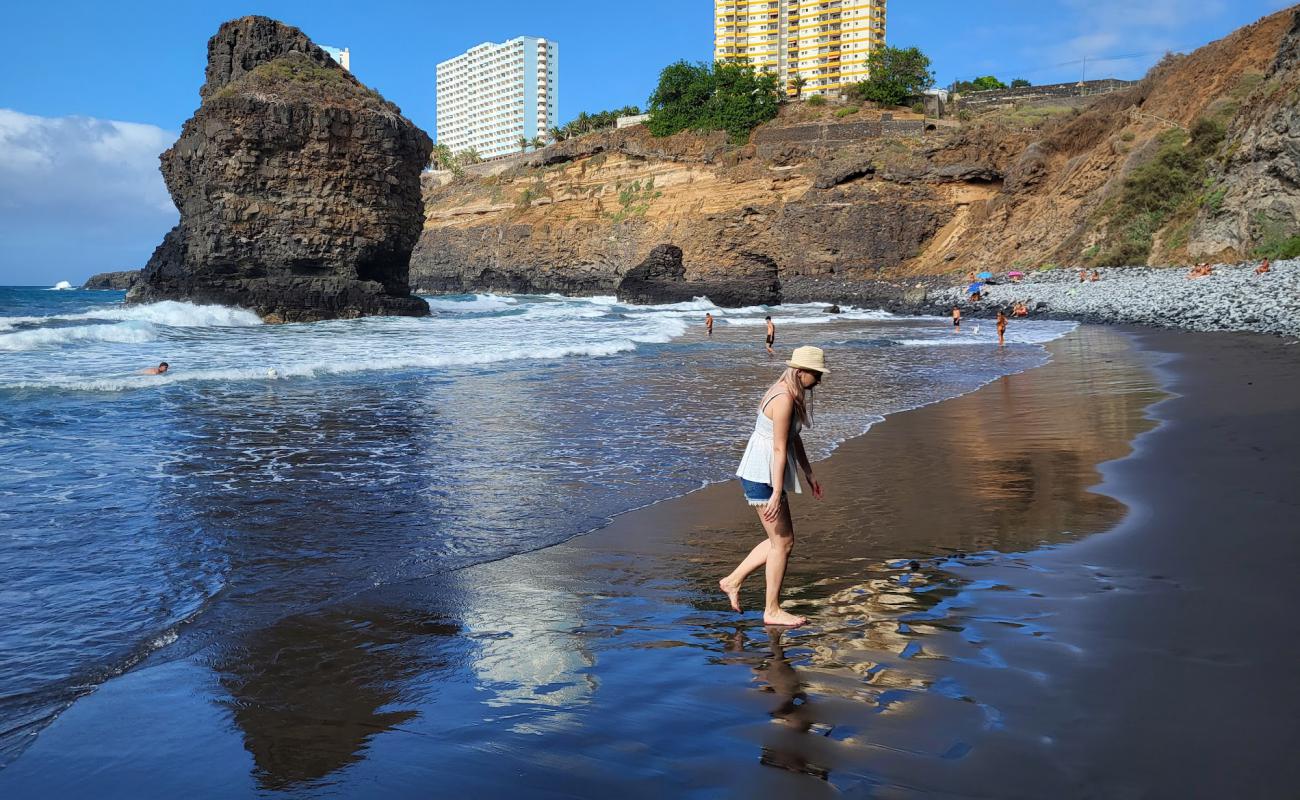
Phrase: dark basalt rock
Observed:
(661, 278)
(298, 187)
(113, 281)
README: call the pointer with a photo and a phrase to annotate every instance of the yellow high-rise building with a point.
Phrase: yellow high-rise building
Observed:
(825, 42)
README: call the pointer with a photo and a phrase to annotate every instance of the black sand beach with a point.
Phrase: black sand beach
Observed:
(1102, 606)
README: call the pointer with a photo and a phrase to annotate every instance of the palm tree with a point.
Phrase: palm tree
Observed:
(557, 135)
(797, 83)
(523, 144)
(441, 157)
(538, 142)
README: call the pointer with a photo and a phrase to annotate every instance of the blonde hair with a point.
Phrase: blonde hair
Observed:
(800, 395)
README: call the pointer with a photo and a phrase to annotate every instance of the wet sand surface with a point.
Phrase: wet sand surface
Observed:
(1048, 642)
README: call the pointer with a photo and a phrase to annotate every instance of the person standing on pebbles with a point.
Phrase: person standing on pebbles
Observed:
(767, 469)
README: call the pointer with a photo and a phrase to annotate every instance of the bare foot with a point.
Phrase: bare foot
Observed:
(784, 618)
(732, 591)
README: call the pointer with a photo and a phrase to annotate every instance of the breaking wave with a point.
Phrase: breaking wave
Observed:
(123, 333)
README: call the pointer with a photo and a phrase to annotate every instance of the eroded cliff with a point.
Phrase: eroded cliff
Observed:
(871, 204)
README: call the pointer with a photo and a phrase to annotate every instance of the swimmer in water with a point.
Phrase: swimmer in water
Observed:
(158, 370)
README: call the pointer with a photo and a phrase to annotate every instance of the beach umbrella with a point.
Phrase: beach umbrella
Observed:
(984, 275)
(1015, 273)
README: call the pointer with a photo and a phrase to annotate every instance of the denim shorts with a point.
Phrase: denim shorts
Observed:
(757, 493)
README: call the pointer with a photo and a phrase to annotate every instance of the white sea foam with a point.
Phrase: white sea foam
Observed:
(984, 333)
(168, 312)
(61, 286)
(699, 304)
(316, 369)
(758, 322)
(121, 333)
(177, 315)
(478, 303)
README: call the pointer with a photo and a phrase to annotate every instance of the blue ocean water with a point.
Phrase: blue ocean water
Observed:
(279, 468)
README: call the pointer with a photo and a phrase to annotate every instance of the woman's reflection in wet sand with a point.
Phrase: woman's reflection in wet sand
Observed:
(784, 748)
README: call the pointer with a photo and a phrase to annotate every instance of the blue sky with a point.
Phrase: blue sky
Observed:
(90, 92)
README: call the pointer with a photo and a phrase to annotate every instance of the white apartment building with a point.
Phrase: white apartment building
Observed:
(342, 55)
(495, 94)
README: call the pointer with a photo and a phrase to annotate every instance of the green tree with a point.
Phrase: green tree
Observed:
(981, 84)
(895, 74)
(468, 156)
(441, 157)
(538, 142)
(557, 135)
(797, 83)
(729, 96)
(1019, 83)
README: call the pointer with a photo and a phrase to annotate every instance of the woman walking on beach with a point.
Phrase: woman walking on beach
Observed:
(767, 469)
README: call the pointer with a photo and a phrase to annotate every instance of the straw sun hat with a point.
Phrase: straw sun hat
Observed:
(810, 358)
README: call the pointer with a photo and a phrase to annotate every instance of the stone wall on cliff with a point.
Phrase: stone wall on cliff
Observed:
(298, 187)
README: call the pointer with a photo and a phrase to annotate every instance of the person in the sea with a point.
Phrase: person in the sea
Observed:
(1002, 328)
(708, 322)
(158, 370)
(956, 319)
(771, 335)
(768, 469)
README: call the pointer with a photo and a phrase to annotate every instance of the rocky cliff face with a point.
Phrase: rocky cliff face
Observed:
(1259, 178)
(578, 217)
(298, 187)
(871, 217)
(115, 281)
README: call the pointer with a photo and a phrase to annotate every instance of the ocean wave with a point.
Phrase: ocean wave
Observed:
(472, 303)
(61, 286)
(178, 314)
(411, 360)
(985, 334)
(758, 322)
(173, 313)
(133, 332)
(849, 312)
(696, 305)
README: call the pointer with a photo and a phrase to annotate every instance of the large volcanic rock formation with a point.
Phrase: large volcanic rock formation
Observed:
(298, 187)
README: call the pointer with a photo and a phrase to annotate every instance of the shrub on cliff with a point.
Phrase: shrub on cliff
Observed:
(896, 74)
(293, 76)
(1155, 191)
(722, 96)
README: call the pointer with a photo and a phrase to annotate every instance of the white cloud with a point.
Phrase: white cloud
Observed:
(79, 194)
(48, 161)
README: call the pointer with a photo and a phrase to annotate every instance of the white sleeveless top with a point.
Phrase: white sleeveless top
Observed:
(756, 463)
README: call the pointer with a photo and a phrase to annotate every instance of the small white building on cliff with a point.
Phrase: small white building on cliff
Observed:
(341, 55)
